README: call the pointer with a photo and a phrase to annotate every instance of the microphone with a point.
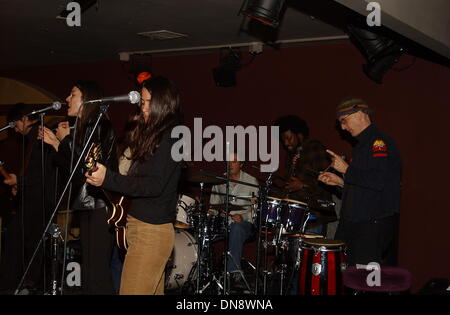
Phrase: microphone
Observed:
(9, 125)
(133, 97)
(55, 106)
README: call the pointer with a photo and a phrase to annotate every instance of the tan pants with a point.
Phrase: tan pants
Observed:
(149, 248)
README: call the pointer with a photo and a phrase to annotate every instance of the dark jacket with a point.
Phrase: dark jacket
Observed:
(372, 181)
(31, 179)
(152, 185)
(85, 196)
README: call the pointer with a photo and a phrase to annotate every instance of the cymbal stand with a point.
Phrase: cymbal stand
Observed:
(227, 197)
(200, 239)
(226, 275)
(205, 275)
(262, 203)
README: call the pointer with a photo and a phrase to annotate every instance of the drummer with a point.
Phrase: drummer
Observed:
(240, 221)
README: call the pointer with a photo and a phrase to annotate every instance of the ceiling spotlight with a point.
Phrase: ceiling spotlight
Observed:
(265, 11)
(380, 52)
(225, 74)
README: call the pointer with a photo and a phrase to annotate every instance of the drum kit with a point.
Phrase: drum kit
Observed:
(287, 258)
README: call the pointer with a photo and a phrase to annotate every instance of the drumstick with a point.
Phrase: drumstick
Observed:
(327, 168)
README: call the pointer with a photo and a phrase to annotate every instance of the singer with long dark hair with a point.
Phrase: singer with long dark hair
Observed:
(96, 237)
(151, 181)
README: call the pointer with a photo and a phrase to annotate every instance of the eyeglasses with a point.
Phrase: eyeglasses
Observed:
(343, 120)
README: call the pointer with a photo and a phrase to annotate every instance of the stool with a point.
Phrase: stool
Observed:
(393, 280)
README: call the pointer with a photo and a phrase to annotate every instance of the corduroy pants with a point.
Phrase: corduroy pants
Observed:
(149, 248)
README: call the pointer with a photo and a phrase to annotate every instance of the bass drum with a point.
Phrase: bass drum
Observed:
(180, 265)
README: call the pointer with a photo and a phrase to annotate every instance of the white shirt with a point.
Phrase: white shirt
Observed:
(218, 195)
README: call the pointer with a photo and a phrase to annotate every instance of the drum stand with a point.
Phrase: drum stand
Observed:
(205, 274)
(240, 272)
(298, 255)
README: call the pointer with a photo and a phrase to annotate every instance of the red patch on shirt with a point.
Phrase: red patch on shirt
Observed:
(379, 148)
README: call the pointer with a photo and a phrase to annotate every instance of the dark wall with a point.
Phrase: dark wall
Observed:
(411, 106)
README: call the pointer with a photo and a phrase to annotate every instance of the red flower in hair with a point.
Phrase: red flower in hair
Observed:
(143, 76)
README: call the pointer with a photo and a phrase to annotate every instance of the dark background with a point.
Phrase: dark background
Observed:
(410, 106)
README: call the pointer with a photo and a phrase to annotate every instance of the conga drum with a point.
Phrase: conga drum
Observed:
(321, 264)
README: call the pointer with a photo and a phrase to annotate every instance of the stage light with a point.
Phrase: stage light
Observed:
(265, 11)
(380, 52)
(225, 74)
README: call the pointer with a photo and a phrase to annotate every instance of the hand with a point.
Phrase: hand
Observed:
(294, 184)
(338, 163)
(331, 179)
(236, 218)
(294, 159)
(97, 177)
(14, 190)
(11, 180)
(63, 130)
(49, 137)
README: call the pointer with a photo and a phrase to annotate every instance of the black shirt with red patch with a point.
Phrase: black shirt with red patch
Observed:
(372, 181)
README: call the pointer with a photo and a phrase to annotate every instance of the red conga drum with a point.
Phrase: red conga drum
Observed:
(321, 264)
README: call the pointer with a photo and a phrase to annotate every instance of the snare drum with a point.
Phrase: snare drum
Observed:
(185, 206)
(321, 264)
(180, 265)
(293, 216)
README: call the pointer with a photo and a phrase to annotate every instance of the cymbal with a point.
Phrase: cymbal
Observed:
(199, 176)
(222, 206)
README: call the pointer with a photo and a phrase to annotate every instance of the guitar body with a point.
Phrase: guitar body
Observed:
(118, 219)
(118, 215)
(121, 238)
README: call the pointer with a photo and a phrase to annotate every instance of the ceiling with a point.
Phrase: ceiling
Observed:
(30, 34)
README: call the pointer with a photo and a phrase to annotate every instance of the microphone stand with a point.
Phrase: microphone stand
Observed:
(66, 221)
(103, 110)
(9, 125)
(41, 120)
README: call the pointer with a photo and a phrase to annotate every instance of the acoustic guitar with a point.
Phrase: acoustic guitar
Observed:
(116, 210)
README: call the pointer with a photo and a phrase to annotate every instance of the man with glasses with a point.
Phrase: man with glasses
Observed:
(371, 188)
